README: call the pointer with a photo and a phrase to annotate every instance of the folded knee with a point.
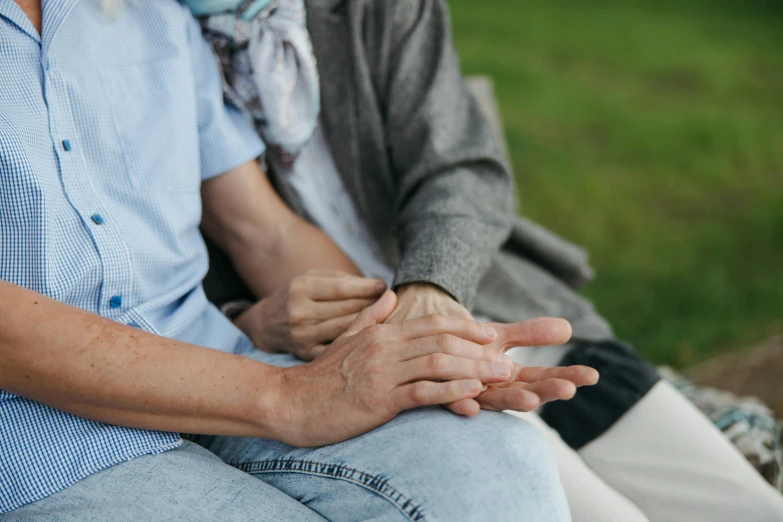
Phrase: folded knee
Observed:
(491, 467)
(519, 453)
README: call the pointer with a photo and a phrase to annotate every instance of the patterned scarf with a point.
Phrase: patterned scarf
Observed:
(268, 66)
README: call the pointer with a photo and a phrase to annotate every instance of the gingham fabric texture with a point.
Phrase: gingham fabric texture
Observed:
(107, 127)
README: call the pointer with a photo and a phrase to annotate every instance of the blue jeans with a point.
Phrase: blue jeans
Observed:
(425, 465)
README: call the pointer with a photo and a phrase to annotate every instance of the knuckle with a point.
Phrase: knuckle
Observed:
(297, 313)
(306, 353)
(448, 343)
(419, 392)
(436, 321)
(438, 362)
(374, 332)
(299, 284)
(341, 289)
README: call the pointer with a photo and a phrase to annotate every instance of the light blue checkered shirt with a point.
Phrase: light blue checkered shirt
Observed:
(107, 128)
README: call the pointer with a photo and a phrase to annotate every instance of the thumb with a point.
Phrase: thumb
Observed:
(373, 314)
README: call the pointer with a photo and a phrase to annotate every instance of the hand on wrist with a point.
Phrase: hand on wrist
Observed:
(304, 318)
(422, 298)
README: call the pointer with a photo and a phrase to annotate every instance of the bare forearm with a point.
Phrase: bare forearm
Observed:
(268, 244)
(98, 369)
(303, 248)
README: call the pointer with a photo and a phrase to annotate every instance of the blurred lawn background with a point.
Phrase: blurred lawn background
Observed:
(650, 131)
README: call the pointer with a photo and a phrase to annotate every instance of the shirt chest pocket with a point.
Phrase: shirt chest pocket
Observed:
(153, 110)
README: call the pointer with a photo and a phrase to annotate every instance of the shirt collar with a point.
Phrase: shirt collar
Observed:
(54, 14)
(11, 11)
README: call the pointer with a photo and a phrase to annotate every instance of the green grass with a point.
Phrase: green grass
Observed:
(652, 133)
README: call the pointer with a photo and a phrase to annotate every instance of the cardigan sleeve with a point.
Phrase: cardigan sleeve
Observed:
(455, 197)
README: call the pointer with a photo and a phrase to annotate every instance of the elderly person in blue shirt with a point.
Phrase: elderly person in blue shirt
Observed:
(113, 134)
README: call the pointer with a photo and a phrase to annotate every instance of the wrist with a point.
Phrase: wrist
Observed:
(266, 412)
(423, 289)
(419, 299)
(248, 321)
(280, 408)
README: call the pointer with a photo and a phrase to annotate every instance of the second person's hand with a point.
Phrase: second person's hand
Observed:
(375, 371)
(529, 387)
(314, 310)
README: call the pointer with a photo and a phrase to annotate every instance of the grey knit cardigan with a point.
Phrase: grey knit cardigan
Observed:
(425, 170)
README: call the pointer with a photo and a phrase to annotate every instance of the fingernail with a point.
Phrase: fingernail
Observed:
(380, 287)
(471, 386)
(508, 361)
(489, 331)
(500, 369)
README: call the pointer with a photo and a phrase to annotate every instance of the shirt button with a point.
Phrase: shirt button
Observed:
(48, 64)
(97, 219)
(66, 145)
(115, 301)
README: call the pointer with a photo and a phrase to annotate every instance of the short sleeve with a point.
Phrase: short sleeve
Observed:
(227, 138)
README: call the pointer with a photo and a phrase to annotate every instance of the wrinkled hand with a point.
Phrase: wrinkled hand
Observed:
(420, 299)
(528, 387)
(375, 371)
(314, 310)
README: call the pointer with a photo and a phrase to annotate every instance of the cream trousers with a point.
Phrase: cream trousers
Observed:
(663, 461)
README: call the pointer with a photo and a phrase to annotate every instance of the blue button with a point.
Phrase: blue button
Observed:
(97, 219)
(48, 64)
(134, 324)
(66, 145)
(116, 301)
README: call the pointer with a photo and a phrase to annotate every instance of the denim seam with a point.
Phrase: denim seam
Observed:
(373, 483)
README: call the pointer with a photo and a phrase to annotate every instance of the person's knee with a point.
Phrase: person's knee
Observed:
(493, 466)
(515, 454)
(426, 464)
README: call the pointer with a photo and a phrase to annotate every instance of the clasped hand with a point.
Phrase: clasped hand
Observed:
(378, 370)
